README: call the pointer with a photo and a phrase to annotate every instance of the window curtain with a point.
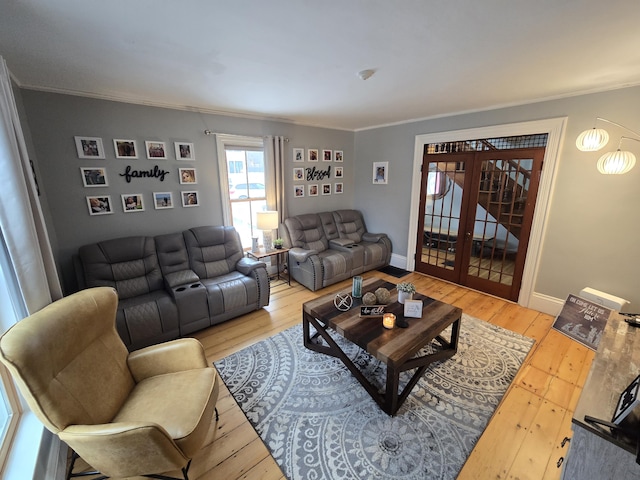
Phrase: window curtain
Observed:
(274, 157)
(24, 232)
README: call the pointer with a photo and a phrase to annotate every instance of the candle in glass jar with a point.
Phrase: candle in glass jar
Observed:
(388, 320)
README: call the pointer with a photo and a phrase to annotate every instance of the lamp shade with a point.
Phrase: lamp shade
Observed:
(592, 140)
(616, 163)
(267, 220)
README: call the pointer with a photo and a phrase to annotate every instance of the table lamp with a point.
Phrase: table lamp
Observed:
(267, 222)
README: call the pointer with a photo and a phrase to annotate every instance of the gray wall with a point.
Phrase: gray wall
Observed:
(590, 236)
(53, 120)
(594, 219)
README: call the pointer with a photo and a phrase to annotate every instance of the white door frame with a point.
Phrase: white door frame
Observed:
(554, 128)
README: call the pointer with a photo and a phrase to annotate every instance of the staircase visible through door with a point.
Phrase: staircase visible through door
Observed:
(476, 209)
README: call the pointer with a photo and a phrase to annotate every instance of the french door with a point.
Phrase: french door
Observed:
(476, 211)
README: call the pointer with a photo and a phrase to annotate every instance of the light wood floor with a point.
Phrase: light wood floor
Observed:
(522, 440)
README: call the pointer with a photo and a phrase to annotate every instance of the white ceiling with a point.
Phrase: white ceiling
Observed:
(297, 60)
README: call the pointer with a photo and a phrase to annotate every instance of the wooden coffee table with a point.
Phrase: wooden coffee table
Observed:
(397, 347)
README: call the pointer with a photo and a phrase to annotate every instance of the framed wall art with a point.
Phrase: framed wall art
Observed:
(313, 190)
(298, 191)
(94, 177)
(338, 156)
(312, 155)
(89, 147)
(327, 155)
(298, 174)
(298, 154)
(190, 199)
(132, 202)
(187, 175)
(156, 150)
(162, 200)
(184, 151)
(338, 172)
(337, 188)
(326, 189)
(125, 148)
(380, 172)
(99, 205)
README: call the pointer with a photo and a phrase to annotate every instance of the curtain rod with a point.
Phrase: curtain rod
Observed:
(209, 132)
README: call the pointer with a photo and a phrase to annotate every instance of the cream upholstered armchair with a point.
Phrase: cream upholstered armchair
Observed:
(125, 414)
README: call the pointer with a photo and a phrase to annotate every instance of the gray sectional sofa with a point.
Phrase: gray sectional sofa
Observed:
(329, 247)
(173, 285)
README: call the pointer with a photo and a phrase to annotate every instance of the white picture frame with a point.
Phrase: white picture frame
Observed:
(298, 155)
(312, 155)
(338, 156)
(187, 176)
(338, 188)
(338, 172)
(155, 150)
(380, 173)
(190, 198)
(298, 191)
(94, 177)
(298, 174)
(184, 151)
(628, 401)
(89, 147)
(162, 200)
(99, 205)
(327, 155)
(413, 308)
(312, 189)
(132, 202)
(326, 189)
(125, 148)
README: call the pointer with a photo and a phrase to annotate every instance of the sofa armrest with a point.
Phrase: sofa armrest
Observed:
(340, 242)
(181, 277)
(168, 357)
(247, 265)
(140, 447)
(373, 237)
(301, 255)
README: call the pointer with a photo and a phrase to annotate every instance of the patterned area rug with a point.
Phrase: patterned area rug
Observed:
(319, 422)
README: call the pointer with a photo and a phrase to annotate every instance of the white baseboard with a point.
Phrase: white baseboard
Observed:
(538, 301)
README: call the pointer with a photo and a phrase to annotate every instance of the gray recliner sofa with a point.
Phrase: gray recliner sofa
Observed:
(173, 285)
(329, 247)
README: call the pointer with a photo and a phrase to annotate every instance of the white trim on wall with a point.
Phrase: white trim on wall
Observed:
(555, 128)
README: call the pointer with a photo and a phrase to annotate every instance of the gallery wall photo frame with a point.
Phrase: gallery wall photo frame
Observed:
(312, 155)
(338, 172)
(380, 173)
(184, 151)
(99, 205)
(125, 148)
(155, 150)
(298, 174)
(94, 177)
(190, 198)
(338, 156)
(338, 188)
(327, 155)
(132, 202)
(313, 190)
(326, 189)
(162, 200)
(298, 154)
(298, 191)
(89, 147)
(187, 176)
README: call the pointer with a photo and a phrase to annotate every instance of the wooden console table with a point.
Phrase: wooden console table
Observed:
(596, 452)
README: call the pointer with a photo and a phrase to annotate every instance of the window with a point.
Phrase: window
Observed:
(244, 176)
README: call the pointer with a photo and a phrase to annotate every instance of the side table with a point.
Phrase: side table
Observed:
(274, 253)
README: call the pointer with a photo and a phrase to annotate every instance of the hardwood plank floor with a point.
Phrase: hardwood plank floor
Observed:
(523, 438)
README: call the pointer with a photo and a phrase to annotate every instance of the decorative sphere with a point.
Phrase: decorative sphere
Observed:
(383, 296)
(369, 299)
(343, 301)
